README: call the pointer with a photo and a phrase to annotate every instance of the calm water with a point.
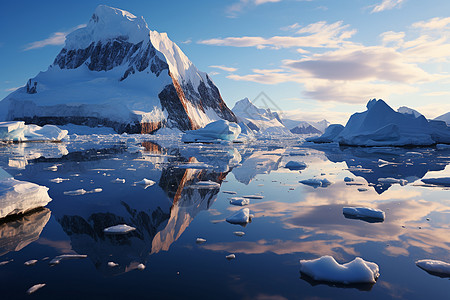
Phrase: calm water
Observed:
(292, 222)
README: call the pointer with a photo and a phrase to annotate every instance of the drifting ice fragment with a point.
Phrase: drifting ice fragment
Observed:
(200, 241)
(194, 165)
(295, 165)
(349, 179)
(434, 267)
(206, 185)
(390, 180)
(229, 192)
(141, 267)
(58, 180)
(327, 269)
(30, 262)
(112, 264)
(34, 288)
(316, 182)
(239, 233)
(239, 201)
(230, 256)
(443, 181)
(76, 192)
(118, 180)
(363, 212)
(62, 257)
(253, 196)
(119, 229)
(240, 217)
(145, 183)
(217, 131)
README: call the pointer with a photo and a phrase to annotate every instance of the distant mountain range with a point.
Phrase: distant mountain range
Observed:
(116, 72)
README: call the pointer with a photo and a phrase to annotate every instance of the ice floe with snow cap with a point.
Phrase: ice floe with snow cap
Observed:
(214, 132)
(17, 131)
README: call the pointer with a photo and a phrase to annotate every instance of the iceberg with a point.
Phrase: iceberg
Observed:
(35, 287)
(241, 217)
(119, 229)
(316, 182)
(239, 201)
(17, 131)
(214, 132)
(19, 197)
(200, 240)
(331, 132)
(434, 267)
(363, 213)
(62, 257)
(443, 181)
(295, 165)
(380, 125)
(145, 183)
(327, 269)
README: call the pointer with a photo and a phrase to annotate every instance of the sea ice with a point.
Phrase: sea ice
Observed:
(200, 240)
(239, 233)
(239, 201)
(62, 257)
(442, 146)
(349, 179)
(435, 267)
(58, 180)
(206, 185)
(295, 165)
(75, 192)
(220, 130)
(119, 229)
(140, 267)
(112, 264)
(145, 182)
(30, 262)
(35, 287)
(327, 269)
(230, 256)
(390, 180)
(316, 182)
(253, 196)
(229, 192)
(18, 197)
(17, 131)
(118, 180)
(240, 217)
(364, 212)
(443, 181)
(197, 165)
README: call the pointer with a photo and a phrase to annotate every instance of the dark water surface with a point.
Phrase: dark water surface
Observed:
(292, 222)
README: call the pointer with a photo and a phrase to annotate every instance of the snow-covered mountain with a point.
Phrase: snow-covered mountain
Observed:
(304, 127)
(261, 120)
(117, 72)
(445, 118)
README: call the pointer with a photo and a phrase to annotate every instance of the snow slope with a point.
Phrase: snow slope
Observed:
(380, 125)
(118, 73)
(445, 118)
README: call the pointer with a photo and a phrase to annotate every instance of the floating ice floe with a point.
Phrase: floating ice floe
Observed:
(229, 192)
(19, 197)
(62, 257)
(119, 229)
(239, 201)
(82, 192)
(205, 185)
(58, 180)
(214, 132)
(442, 146)
(17, 131)
(240, 217)
(253, 196)
(195, 165)
(145, 183)
(364, 213)
(349, 179)
(434, 267)
(295, 165)
(390, 180)
(230, 256)
(30, 262)
(362, 190)
(140, 267)
(327, 269)
(239, 233)
(35, 287)
(118, 180)
(200, 240)
(316, 182)
(443, 181)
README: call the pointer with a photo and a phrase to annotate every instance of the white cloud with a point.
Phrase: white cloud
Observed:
(224, 68)
(234, 9)
(55, 39)
(188, 41)
(213, 73)
(387, 5)
(13, 88)
(432, 24)
(317, 35)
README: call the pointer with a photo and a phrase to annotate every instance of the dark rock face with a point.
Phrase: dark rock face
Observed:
(306, 130)
(31, 87)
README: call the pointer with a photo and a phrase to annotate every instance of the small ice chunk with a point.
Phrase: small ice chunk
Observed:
(30, 262)
(316, 182)
(112, 264)
(434, 267)
(62, 257)
(295, 165)
(119, 229)
(240, 217)
(5, 262)
(349, 179)
(327, 269)
(145, 183)
(35, 287)
(206, 185)
(230, 256)
(200, 241)
(58, 180)
(253, 196)
(140, 267)
(97, 190)
(240, 201)
(364, 212)
(443, 181)
(118, 180)
(442, 146)
(362, 190)
(390, 180)
(53, 168)
(239, 233)
(195, 165)
(229, 192)
(76, 192)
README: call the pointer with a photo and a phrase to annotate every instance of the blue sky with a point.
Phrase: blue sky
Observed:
(314, 58)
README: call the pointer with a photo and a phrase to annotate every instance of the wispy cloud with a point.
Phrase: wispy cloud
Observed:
(317, 35)
(234, 9)
(433, 24)
(55, 39)
(224, 68)
(387, 5)
(188, 41)
(13, 89)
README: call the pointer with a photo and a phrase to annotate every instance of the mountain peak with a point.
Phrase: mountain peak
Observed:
(109, 23)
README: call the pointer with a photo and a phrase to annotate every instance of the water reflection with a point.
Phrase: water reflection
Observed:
(17, 233)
